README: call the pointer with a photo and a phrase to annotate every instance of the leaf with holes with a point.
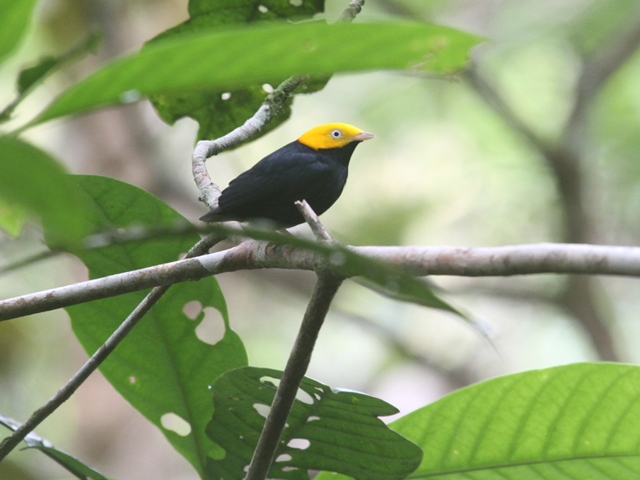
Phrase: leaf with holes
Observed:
(219, 111)
(327, 429)
(165, 365)
(573, 422)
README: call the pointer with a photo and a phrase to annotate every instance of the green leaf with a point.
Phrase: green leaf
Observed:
(327, 429)
(572, 422)
(223, 12)
(165, 365)
(71, 464)
(220, 111)
(33, 181)
(32, 76)
(13, 23)
(235, 58)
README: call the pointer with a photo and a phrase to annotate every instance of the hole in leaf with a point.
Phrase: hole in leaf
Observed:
(175, 423)
(211, 329)
(262, 9)
(284, 457)
(225, 96)
(262, 409)
(313, 418)
(304, 397)
(299, 443)
(192, 309)
(130, 96)
(270, 380)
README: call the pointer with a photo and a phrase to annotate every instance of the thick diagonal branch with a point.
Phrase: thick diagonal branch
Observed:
(317, 309)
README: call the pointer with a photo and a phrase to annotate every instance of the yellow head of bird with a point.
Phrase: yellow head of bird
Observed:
(333, 135)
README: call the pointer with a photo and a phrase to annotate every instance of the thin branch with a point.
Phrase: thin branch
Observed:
(491, 96)
(456, 376)
(596, 72)
(420, 261)
(325, 289)
(92, 364)
(321, 233)
(25, 262)
(566, 159)
(352, 10)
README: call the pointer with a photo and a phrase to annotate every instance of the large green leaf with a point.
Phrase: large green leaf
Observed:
(165, 365)
(34, 182)
(218, 111)
(234, 58)
(14, 21)
(572, 422)
(327, 429)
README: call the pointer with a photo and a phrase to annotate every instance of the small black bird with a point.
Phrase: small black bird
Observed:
(312, 168)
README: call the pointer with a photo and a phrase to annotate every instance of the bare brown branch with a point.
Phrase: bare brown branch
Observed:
(251, 255)
(297, 365)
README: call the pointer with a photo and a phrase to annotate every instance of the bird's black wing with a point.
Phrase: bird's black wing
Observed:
(288, 174)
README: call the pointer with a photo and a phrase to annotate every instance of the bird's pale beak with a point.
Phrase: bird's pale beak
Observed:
(362, 136)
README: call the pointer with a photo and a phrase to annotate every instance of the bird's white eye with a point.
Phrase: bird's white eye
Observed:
(336, 133)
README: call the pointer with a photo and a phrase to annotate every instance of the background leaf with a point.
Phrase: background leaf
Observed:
(571, 422)
(334, 430)
(32, 76)
(13, 23)
(12, 219)
(238, 57)
(164, 367)
(217, 110)
(72, 464)
(33, 181)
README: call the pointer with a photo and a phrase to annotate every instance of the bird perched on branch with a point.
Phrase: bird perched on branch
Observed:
(312, 168)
